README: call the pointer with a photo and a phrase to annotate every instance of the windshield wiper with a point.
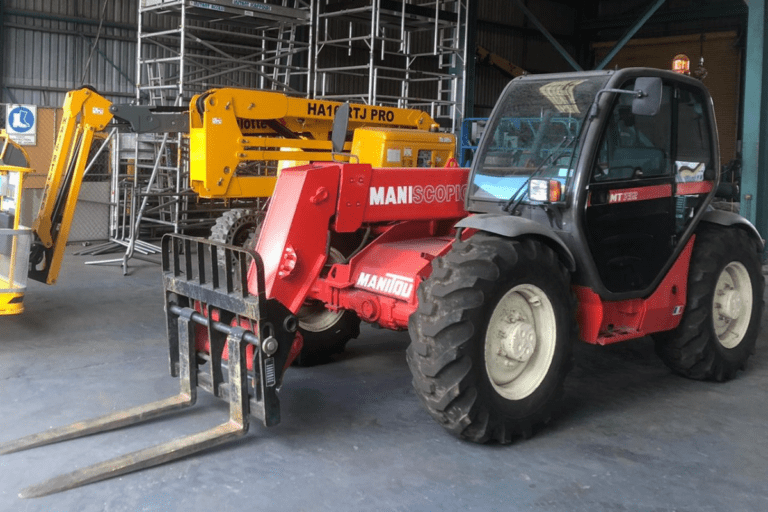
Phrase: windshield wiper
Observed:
(514, 201)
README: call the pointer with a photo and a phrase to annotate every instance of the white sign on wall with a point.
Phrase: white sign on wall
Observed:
(21, 124)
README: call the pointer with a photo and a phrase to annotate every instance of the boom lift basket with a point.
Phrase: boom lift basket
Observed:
(15, 239)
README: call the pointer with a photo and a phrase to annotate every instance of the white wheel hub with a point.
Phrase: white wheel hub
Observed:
(520, 341)
(732, 304)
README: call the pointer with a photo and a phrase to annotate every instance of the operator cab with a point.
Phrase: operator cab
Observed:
(618, 164)
(532, 133)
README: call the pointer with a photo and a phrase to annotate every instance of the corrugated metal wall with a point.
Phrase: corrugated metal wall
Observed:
(506, 32)
(47, 49)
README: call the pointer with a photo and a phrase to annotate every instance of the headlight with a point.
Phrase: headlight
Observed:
(545, 191)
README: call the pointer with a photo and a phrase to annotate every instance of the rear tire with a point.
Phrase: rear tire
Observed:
(320, 346)
(719, 328)
(491, 340)
(325, 332)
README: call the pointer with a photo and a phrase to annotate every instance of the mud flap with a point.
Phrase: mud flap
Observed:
(191, 276)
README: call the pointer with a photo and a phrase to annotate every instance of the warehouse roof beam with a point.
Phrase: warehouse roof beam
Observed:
(550, 38)
(630, 33)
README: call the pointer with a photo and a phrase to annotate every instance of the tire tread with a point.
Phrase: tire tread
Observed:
(443, 332)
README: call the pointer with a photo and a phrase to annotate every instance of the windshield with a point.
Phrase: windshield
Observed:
(533, 130)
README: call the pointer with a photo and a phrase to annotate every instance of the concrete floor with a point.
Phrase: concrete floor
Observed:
(632, 437)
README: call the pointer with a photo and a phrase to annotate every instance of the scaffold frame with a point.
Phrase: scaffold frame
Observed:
(185, 48)
(405, 54)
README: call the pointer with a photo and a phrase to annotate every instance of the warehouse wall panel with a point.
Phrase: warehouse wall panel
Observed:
(722, 59)
(47, 47)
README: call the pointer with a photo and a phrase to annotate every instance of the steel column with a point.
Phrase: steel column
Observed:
(470, 38)
(754, 180)
(549, 36)
(630, 33)
(2, 44)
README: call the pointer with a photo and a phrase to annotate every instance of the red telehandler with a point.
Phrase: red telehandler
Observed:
(585, 216)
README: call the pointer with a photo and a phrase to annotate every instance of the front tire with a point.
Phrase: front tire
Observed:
(491, 340)
(719, 328)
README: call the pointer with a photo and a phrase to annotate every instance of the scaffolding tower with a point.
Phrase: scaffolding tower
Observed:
(406, 53)
(186, 48)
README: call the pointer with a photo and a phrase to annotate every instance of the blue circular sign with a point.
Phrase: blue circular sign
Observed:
(21, 120)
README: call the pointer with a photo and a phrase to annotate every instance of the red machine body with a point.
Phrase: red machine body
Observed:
(409, 215)
(603, 323)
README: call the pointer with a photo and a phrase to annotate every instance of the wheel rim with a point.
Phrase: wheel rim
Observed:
(520, 342)
(313, 316)
(732, 304)
(242, 230)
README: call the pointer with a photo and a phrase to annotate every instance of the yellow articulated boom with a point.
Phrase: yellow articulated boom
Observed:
(238, 131)
(85, 113)
(240, 137)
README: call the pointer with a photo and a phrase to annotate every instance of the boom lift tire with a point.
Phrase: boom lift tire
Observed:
(325, 332)
(491, 340)
(718, 331)
(236, 227)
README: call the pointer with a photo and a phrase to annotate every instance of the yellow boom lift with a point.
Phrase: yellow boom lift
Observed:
(85, 113)
(244, 137)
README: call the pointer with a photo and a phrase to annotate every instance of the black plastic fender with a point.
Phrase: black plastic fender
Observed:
(512, 227)
(725, 218)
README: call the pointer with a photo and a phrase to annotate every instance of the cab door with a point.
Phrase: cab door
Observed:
(650, 178)
(630, 209)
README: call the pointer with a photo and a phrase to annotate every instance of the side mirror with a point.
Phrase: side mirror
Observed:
(339, 131)
(648, 99)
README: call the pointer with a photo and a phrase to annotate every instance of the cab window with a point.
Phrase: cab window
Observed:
(695, 170)
(635, 146)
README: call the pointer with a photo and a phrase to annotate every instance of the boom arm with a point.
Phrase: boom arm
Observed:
(230, 131)
(309, 202)
(85, 113)
(230, 128)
